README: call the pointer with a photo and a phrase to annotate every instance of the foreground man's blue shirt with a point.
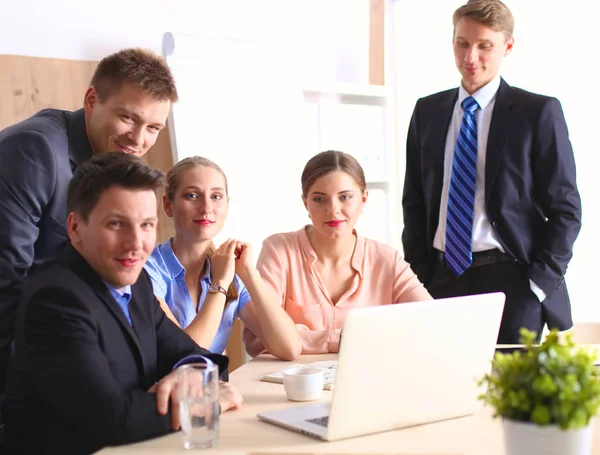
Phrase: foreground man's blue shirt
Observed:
(122, 298)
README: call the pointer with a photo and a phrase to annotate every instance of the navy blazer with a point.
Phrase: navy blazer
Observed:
(37, 156)
(531, 196)
(79, 376)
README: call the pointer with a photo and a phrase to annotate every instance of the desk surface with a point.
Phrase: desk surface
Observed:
(242, 433)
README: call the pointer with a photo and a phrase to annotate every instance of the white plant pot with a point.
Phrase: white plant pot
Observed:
(525, 438)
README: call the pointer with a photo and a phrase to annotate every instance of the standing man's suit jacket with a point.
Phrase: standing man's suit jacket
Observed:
(79, 377)
(37, 159)
(531, 197)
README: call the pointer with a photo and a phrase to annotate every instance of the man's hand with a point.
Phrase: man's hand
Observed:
(166, 390)
(229, 397)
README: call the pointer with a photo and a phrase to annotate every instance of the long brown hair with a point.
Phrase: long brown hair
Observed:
(174, 177)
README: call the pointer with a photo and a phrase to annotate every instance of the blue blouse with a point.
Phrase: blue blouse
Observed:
(168, 281)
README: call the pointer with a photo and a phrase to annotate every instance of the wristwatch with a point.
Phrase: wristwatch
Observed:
(214, 288)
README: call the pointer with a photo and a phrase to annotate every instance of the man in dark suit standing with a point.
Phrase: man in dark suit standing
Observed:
(125, 107)
(94, 353)
(490, 196)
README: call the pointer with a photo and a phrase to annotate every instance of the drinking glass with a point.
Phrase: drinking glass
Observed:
(199, 404)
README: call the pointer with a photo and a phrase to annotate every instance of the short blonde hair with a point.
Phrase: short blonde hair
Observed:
(492, 13)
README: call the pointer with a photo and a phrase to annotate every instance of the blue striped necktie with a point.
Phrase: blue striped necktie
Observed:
(461, 196)
(123, 302)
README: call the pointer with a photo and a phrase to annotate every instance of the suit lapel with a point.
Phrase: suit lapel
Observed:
(440, 122)
(113, 307)
(73, 259)
(501, 124)
(143, 323)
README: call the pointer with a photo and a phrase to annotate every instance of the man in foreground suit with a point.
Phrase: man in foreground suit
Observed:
(490, 197)
(94, 353)
(125, 107)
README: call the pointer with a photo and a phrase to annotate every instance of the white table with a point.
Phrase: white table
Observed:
(243, 433)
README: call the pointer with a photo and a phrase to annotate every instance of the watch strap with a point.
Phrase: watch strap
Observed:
(214, 288)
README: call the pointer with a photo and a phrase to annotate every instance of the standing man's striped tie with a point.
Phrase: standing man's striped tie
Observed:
(461, 196)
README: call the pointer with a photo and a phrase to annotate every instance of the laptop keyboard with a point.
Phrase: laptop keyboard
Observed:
(323, 421)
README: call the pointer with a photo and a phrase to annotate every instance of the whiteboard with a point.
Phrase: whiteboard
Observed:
(241, 105)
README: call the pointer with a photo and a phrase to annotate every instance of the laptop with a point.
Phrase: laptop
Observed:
(404, 365)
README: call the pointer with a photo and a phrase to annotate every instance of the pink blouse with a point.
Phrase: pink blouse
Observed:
(287, 264)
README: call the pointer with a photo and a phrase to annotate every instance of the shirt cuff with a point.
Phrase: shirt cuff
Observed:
(539, 293)
(194, 358)
(334, 340)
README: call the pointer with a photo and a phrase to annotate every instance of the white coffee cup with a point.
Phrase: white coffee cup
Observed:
(303, 384)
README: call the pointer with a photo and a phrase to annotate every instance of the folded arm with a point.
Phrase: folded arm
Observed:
(267, 326)
(311, 341)
(265, 317)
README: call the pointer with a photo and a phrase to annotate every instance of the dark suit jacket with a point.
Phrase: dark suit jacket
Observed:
(37, 156)
(78, 379)
(531, 197)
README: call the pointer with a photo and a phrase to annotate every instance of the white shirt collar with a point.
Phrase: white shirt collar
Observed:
(484, 96)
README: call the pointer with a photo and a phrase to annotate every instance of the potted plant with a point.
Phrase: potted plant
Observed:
(546, 395)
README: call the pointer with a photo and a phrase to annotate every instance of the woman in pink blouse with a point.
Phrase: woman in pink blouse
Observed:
(324, 269)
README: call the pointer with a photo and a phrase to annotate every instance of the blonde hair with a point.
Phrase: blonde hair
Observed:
(492, 13)
(174, 178)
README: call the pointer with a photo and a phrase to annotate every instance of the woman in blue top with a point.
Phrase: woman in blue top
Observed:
(204, 288)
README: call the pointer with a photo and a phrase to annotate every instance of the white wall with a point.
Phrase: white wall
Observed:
(554, 53)
(331, 33)
(326, 39)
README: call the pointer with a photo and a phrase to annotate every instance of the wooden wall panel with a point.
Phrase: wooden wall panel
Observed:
(28, 84)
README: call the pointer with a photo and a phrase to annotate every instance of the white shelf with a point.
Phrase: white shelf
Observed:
(379, 183)
(376, 94)
(358, 119)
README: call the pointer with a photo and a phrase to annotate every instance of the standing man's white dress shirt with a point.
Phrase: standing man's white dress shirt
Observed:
(483, 234)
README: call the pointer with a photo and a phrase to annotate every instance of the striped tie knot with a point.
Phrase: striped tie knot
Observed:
(469, 105)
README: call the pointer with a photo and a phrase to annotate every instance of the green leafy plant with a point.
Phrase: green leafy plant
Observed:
(552, 383)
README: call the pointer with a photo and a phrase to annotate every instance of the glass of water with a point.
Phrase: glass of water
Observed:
(198, 392)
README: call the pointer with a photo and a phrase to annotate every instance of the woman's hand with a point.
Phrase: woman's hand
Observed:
(222, 263)
(244, 262)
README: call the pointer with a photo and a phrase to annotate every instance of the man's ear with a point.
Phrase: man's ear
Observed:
(74, 222)
(90, 99)
(509, 45)
(167, 206)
